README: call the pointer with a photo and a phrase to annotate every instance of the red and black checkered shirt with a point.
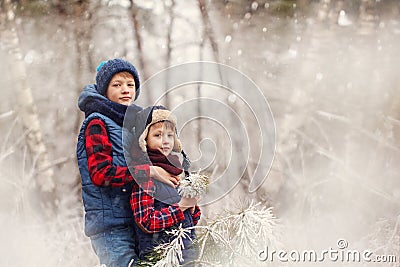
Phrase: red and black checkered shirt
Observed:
(103, 173)
(99, 155)
(151, 220)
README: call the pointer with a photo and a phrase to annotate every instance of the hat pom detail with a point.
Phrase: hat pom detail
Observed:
(100, 65)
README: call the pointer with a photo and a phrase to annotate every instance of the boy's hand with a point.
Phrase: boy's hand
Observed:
(187, 203)
(163, 176)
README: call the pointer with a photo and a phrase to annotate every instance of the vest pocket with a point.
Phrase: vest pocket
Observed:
(120, 204)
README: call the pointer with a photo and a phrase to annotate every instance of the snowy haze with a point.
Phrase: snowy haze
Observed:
(331, 80)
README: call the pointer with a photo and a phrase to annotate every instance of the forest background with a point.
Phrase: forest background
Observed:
(328, 69)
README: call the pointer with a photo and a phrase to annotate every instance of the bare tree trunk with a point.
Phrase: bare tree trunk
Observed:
(27, 109)
(209, 34)
(138, 37)
(199, 109)
(208, 28)
(169, 48)
(237, 142)
(83, 35)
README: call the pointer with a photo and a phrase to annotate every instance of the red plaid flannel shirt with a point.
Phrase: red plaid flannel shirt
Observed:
(103, 173)
(99, 154)
(147, 217)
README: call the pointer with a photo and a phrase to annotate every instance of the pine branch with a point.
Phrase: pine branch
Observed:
(195, 185)
(236, 235)
(172, 252)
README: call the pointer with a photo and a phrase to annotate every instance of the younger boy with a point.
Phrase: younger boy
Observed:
(157, 207)
(106, 180)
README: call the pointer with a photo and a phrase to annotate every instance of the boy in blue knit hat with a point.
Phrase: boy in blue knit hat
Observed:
(106, 179)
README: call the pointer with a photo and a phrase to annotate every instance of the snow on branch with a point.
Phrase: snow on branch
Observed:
(231, 238)
(195, 185)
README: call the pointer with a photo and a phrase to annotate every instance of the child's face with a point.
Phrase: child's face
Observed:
(161, 137)
(121, 89)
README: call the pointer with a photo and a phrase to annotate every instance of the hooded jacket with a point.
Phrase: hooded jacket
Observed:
(105, 207)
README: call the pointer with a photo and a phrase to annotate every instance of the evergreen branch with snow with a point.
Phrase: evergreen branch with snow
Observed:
(227, 240)
(237, 236)
(252, 228)
(195, 185)
(171, 253)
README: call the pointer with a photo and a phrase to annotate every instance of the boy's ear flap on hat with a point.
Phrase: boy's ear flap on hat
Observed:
(141, 123)
(177, 144)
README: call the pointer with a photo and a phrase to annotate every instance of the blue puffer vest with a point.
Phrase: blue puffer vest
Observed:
(105, 207)
(164, 197)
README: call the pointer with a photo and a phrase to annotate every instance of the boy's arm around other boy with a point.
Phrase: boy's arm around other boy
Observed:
(99, 154)
(151, 220)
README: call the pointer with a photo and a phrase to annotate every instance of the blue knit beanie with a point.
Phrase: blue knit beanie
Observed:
(107, 69)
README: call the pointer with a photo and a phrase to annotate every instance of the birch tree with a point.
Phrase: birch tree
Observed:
(26, 107)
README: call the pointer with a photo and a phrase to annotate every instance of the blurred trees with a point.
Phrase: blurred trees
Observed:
(27, 109)
(143, 33)
(332, 88)
(64, 7)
